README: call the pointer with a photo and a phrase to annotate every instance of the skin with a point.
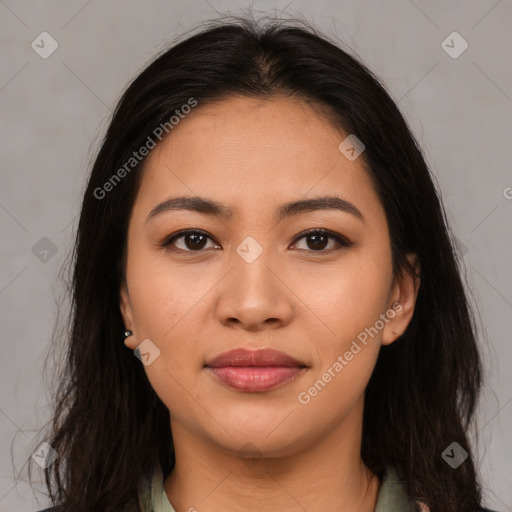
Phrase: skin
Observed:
(253, 155)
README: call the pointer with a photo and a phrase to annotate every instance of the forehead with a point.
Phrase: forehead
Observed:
(252, 151)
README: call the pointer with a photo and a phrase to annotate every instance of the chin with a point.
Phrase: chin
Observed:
(254, 443)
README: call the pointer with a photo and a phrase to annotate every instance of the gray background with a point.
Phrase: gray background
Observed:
(54, 111)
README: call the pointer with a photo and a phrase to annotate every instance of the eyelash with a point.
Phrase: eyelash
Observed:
(341, 241)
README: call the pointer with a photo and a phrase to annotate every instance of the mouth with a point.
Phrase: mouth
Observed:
(255, 371)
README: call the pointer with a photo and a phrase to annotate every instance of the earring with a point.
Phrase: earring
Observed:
(127, 334)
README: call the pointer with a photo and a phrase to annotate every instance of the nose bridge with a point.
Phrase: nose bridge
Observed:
(253, 278)
(253, 293)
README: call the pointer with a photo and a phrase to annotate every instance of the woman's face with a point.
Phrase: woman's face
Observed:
(252, 279)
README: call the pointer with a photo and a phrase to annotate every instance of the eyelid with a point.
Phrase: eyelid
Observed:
(340, 239)
(167, 242)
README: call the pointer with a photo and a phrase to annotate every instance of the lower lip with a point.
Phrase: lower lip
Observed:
(254, 379)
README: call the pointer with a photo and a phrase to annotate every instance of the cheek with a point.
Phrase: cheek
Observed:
(347, 345)
(165, 296)
(349, 297)
(170, 307)
(349, 302)
(168, 311)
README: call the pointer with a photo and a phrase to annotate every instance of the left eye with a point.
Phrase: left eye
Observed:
(195, 241)
(318, 239)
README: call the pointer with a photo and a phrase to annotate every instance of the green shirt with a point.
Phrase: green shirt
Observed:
(392, 495)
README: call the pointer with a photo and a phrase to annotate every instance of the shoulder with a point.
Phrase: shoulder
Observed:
(424, 508)
(393, 495)
(133, 506)
(132, 509)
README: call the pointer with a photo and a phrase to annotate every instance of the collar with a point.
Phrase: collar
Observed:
(392, 496)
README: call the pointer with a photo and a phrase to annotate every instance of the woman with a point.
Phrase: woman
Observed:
(262, 226)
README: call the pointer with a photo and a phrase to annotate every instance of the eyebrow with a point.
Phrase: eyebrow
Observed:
(209, 207)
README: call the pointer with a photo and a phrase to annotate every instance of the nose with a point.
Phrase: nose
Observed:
(254, 296)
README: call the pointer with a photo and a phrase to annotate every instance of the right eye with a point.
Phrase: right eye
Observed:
(193, 241)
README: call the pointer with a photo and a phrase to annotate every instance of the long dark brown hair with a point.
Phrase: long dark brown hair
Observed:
(108, 425)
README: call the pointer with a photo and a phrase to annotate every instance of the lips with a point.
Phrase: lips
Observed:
(263, 357)
(255, 371)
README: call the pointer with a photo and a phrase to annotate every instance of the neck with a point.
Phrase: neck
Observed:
(328, 475)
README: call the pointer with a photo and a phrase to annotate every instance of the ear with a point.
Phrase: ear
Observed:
(402, 301)
(126, 313)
